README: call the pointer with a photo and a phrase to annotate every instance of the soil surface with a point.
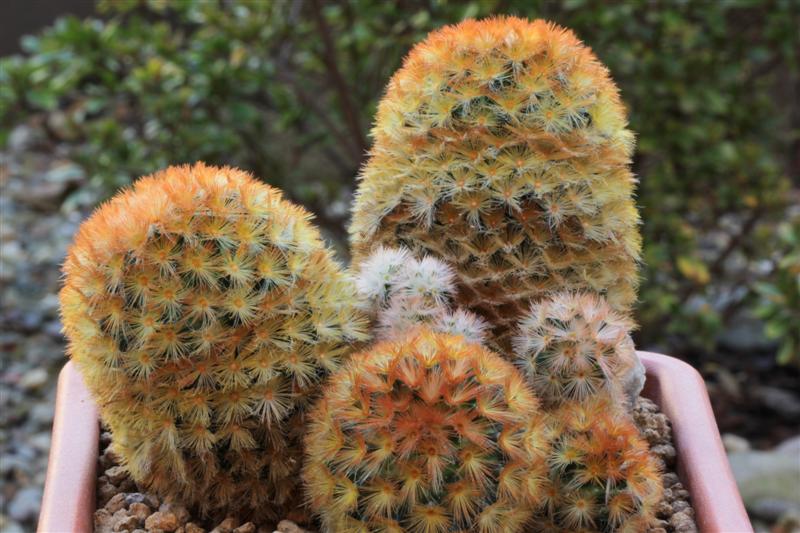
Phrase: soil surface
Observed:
(121, 507)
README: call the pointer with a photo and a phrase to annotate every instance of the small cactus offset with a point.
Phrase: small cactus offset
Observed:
(401, 293)
(501, 146)
(603, 476)
(426, 434)
(574, 346)
(203, 310)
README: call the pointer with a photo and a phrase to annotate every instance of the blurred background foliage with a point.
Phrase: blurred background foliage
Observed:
(287, 89)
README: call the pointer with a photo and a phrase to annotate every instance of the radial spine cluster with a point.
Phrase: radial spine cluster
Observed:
(574, 346)
(401, 293)
(501, 147)
(203, 311)
(426, 434)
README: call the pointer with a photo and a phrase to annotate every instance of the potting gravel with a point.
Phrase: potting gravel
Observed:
(674, 513)
(121, 507)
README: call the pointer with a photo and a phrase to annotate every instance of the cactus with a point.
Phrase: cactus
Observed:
(573, 346)
(501, 147)
(203, 310)
(603, 477)
(401, 293)
(426, 434)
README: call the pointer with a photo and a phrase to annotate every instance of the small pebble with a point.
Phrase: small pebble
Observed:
(116, 503)
(140, 511)
(25, 504)
(178, 510)
(287, 526)
(226, 526)
(165, 521)
(124, 522)
(134, 497)
(34, 379)
(105, 491)
(102, 521)
(683, 523)
(735, 443)
(116, 474)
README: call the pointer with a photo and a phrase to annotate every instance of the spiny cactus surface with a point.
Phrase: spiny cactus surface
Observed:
(573, 346)
(604, 478)
(203, 310)
(400, 293)
(426, 434)
(501, 147)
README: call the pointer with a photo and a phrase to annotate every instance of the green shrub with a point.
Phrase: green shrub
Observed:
(780, 308)
(288, 91)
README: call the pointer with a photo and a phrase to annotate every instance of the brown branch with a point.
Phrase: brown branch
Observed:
(337, 80)
(285, 67)
(319, 112)
(747, 227)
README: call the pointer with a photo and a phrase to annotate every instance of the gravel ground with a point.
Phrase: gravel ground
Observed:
(121, 507)
(674, 513)
(36, 225)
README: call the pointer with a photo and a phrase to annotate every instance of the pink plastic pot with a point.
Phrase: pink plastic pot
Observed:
(677, 388)
(680, 393)
(68, 502)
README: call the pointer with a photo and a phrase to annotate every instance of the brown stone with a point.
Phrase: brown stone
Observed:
(102, 521)
(165, 521)
(191, 527)
(683, 523)
(226, 526)
(140, 511)
(116, 503)
(249, 527)
(105, 491)
(286, 526)
(181, 512)
(124, 522)
(116, 474)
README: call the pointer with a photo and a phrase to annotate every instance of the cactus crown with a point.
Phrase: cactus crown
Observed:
(501, 147)
(603, 476)
(203, 309)
(426, 434)
(573, 346)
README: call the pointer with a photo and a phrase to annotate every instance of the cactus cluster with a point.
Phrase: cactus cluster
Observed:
(428, 433)
(216, 331)
(574, 346)
(501, 147)
(203, 310)
(401, 293)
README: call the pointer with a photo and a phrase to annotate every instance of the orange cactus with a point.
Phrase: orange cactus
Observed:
(426, 434)
(202, 310)
(501, 147)
(603, 475)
